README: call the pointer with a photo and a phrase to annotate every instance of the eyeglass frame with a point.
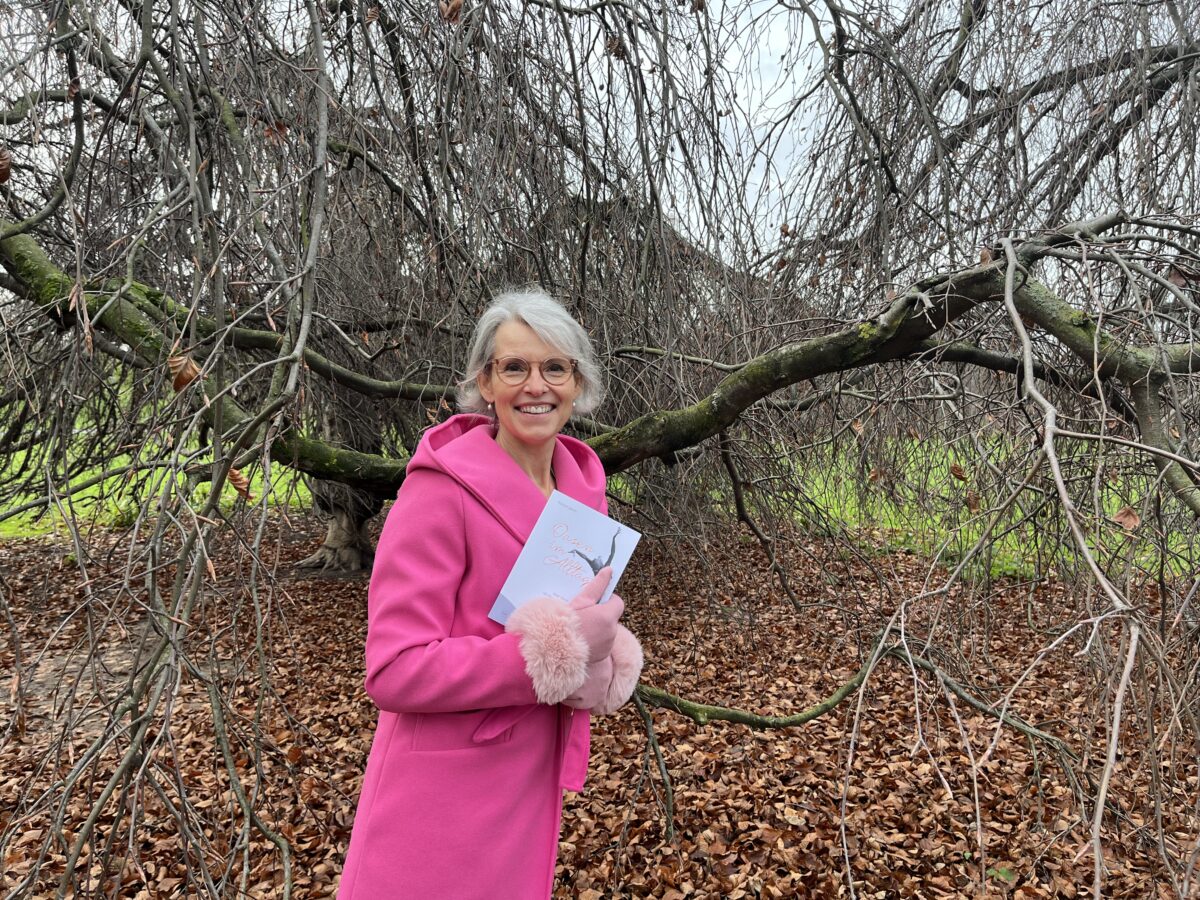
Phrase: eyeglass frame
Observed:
(574, 372)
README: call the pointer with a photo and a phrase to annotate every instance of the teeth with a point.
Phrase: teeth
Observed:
(536, 409)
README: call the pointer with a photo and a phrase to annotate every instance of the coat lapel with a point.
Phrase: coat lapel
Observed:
(569, 479)
(491, 475)
(482, 466)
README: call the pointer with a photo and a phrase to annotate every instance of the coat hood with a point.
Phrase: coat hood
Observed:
(464, 448)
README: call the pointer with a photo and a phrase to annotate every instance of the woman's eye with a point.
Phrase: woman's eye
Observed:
(555, 367)
(515, 366)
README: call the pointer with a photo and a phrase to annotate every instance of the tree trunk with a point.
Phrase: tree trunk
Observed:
(347, 546)
(346, 419)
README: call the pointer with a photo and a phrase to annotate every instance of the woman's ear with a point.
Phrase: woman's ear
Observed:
(484, 383)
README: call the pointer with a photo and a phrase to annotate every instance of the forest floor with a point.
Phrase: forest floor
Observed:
(936, 801)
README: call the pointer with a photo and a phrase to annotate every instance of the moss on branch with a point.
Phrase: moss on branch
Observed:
(897, 332)
(1079, 332)
(703, 713)
(126, 316)
(142, 317)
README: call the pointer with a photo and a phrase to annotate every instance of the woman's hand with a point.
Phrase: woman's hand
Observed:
(593, 692)
(565, 644)
(611, 682)
(598, 621)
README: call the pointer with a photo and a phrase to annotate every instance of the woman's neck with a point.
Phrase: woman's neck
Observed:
(534, 461)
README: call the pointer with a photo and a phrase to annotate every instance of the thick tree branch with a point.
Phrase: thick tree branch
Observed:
(249, 339)
(125, 320)
(1140, 369)
(963, 352)
(1156, 56)
(24, 105)
(900, 331)
(1183, 359)
(1143, 97)
(1150, 420)
(156, 303)
(1098, 349)
(895, 333)
(703, 713)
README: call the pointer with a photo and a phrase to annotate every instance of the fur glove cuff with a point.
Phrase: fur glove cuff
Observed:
(553, 646)
(627, 668)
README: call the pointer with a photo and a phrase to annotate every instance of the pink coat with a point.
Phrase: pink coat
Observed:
(462, 795)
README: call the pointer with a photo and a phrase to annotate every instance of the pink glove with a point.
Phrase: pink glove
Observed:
(560, 641)
(597, 621)
(594, 690)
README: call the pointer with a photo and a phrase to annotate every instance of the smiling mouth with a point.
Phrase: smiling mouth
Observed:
(535, 409)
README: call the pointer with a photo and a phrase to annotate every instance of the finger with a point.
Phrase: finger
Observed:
(594, 589)
(615, 607)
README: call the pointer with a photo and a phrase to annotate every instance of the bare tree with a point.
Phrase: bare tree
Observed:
(243, 241)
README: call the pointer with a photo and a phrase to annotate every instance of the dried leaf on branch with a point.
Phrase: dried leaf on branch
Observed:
(183, 371)
(1127, 518)
(240, 483)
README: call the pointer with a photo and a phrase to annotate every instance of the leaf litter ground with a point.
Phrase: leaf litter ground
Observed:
(918, 813)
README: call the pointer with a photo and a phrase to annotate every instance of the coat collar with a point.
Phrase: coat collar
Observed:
(479, 464)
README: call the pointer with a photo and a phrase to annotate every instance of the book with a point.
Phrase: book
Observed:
(569, 544)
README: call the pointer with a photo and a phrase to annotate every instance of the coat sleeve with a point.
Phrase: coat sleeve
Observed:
(413, 665)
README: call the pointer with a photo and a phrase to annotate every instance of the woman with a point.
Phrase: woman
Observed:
(482, 727)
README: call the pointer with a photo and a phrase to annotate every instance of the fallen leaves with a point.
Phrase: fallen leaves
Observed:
(757, 814)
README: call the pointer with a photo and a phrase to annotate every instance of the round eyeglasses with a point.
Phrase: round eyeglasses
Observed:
(513, 370)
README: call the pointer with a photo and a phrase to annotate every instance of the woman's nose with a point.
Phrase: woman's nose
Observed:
(535, 383)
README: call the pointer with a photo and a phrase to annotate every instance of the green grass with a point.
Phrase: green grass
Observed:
(915, 502)
(920, 505)
(116, 502)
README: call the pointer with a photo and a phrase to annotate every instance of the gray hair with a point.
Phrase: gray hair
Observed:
(550, 322)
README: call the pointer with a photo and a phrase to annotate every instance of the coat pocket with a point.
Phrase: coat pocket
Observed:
(453, 731)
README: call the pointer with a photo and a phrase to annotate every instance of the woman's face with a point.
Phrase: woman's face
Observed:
(533, 412)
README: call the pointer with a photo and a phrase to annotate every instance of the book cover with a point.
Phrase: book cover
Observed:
(569, 544)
